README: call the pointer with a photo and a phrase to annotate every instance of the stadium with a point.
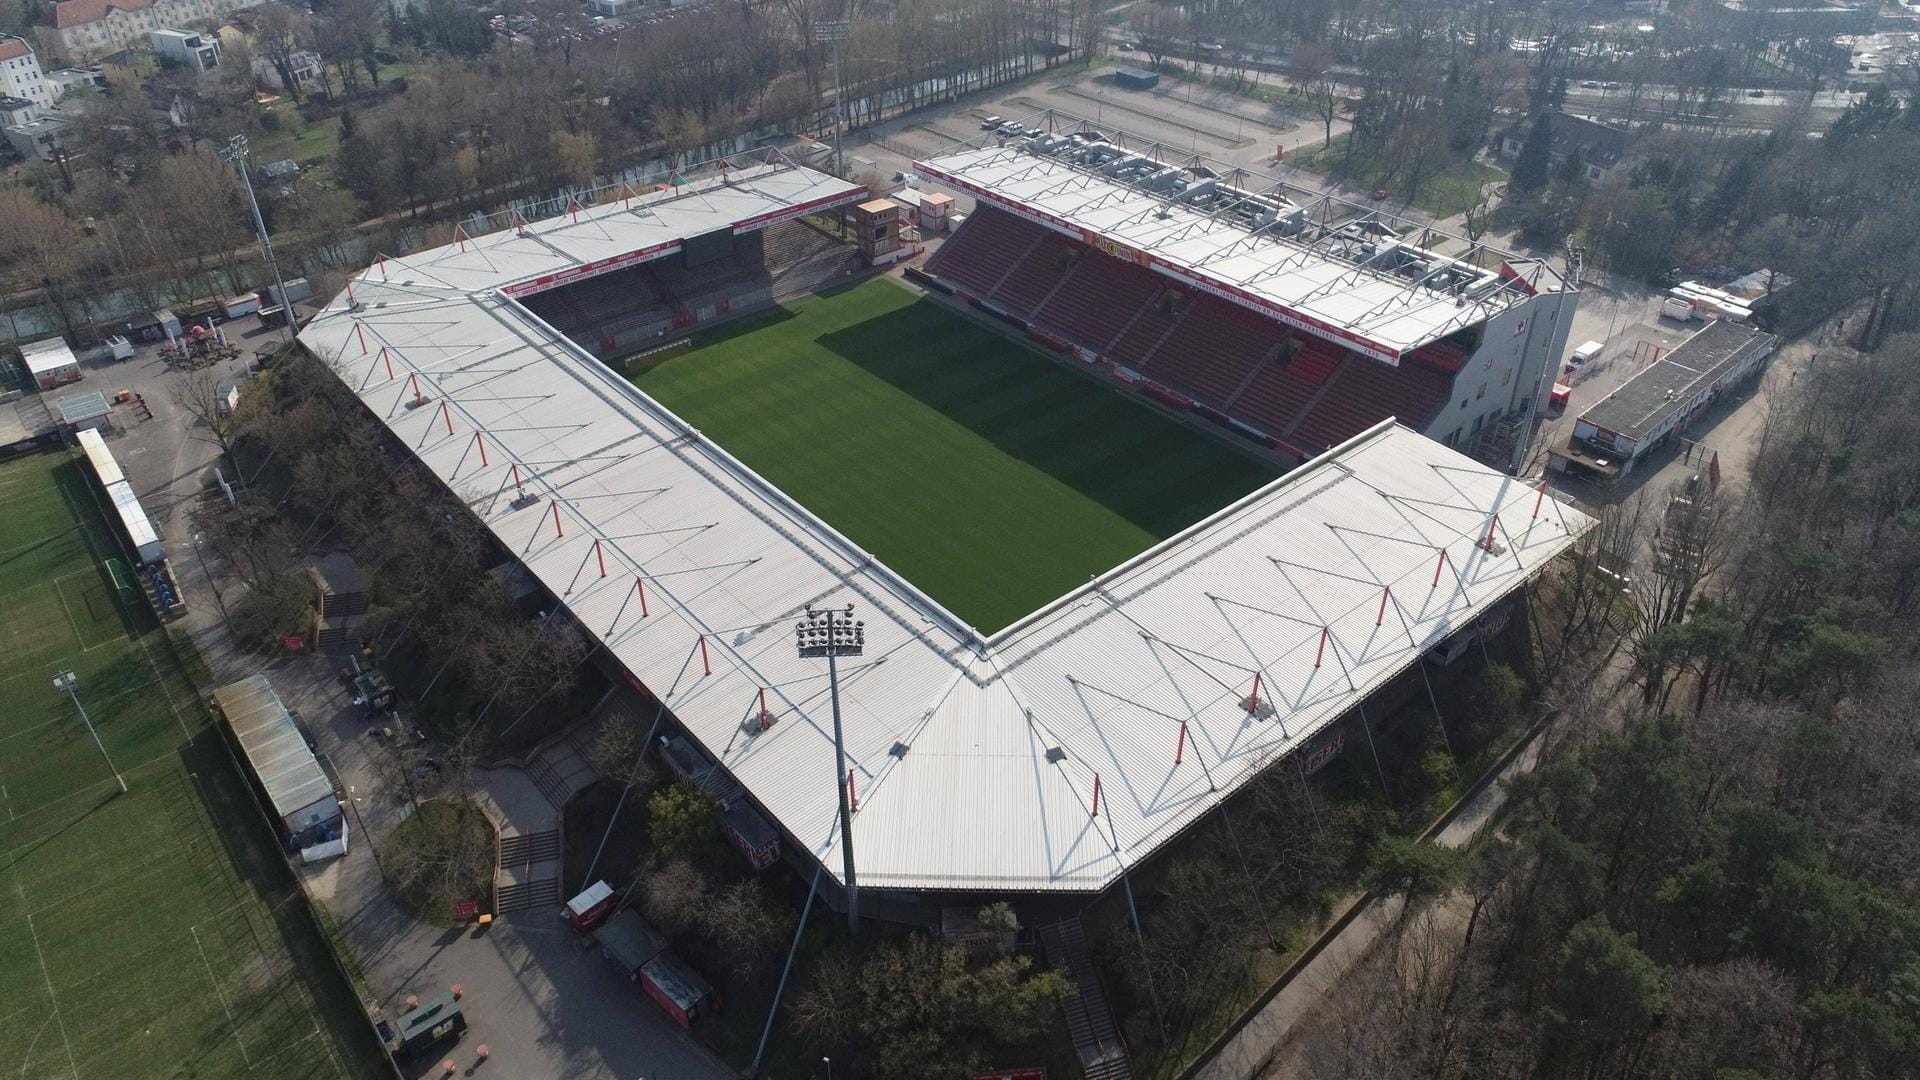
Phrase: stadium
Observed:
(1172, 619)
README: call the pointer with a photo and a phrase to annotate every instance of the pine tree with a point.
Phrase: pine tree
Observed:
(1535, 163)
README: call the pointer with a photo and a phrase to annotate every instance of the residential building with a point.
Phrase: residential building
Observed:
(304, 63)
(187, 48)
(85, 29)
(15, 110)
(20, 75)
(41, 138)
(611, 9)
(1603, 149)
(66, 81)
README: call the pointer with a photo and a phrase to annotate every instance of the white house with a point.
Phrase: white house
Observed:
(187, 48)
(20, 75)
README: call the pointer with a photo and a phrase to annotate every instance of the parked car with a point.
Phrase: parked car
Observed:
(992, 122)
(1756, 93)
(1589, 85)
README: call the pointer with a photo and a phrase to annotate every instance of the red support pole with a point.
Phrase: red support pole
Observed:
(1321, 653)
(1253, 699)
(763, 709)
(1180, 749)
(1438, 564)
(350, 298)
(413, 378)
(601, 555)
(1096, 794)
(516, 476)
(460, 234)
(388, 359)
(1487, 543)
(706, 666)
(557, 530)
(360, 333)
(853, 797)
(1538, 499)
(1381, 615)
(482, 444)
(447, 415)
(381, 262)
(640, 586)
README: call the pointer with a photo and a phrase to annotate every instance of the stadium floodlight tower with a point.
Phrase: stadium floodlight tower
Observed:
(235, 154)
(835, 634)
(68, 682)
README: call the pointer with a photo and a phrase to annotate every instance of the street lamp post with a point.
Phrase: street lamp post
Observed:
(66, 681)
(236, 155)
(835, 634)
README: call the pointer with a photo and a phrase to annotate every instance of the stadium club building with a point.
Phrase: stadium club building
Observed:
(1042, 759)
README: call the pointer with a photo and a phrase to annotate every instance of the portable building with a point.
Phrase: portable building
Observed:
(418, 1030)
(297, 791)
(628, 942)
(592, 907)
(50, 362)
(685, 995)
(88, 411)
(1136, 78)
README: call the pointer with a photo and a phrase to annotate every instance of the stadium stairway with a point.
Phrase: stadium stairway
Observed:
(1089, 1018)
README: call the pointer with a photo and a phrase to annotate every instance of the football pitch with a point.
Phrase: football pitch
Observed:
(981, 470)
(154, 933)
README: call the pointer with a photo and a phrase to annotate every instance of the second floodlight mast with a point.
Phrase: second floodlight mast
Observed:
(834, 634)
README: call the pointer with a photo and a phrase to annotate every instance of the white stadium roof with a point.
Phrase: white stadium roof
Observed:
(1303, 263)
(976, 757)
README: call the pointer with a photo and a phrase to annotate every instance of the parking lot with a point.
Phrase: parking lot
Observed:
(1183, 115)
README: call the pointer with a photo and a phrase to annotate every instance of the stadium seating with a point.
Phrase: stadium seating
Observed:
(1037, 274)
(984, 249)
(614, 312)
(1363, 393)
(1097, 299)
(1313, 392)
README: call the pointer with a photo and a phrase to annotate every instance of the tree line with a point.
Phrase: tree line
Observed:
(1715, 876)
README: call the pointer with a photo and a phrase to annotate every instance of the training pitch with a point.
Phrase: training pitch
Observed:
(147, 934)
(986, 473)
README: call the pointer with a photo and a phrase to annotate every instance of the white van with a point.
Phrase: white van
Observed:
(1586, 353)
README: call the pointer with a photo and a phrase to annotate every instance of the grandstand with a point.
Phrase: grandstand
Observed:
(1049, 757)
(1294, 321)
(633, 308)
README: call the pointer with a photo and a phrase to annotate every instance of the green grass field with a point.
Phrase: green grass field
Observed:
(149, 934)
(986, 473)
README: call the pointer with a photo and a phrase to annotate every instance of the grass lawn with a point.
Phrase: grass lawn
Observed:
(983, 471)
(1449, 189)
(303, 141)
(155, 933)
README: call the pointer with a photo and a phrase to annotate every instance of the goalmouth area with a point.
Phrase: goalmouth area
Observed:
(978, 468)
